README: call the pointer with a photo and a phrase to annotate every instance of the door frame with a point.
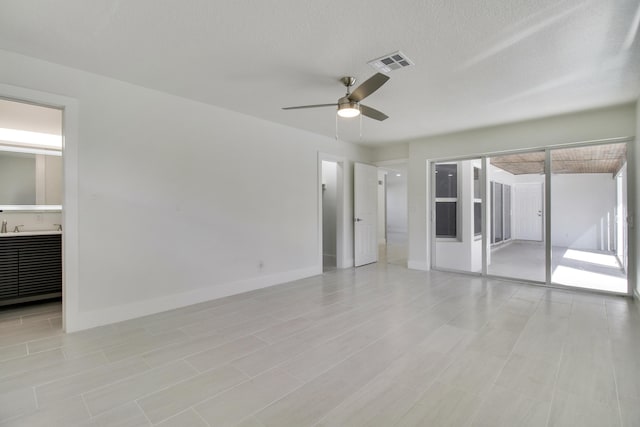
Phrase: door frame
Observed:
(342, 259)
(70, 136)
(631, 200)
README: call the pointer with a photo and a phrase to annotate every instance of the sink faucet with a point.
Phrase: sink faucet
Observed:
(16, 229)
(4, 226)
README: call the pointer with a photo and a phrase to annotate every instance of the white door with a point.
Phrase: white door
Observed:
(528, 212)
(365, 208)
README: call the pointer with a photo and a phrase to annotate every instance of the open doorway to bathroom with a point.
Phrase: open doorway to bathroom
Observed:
(31, 198)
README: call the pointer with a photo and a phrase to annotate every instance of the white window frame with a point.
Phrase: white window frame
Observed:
(455, 200)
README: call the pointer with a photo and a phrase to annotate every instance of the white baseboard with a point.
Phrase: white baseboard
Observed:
(92, 319)
(347, 263)
(418, 265)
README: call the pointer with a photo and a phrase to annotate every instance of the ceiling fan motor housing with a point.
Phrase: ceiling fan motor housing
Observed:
(348, 81)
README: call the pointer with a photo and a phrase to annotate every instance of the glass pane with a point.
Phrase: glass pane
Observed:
(446, 216)
(476, 183)
(446, 180)
(477, 219)
(516, 248)
(506, 206)
(588, 212)
(497, 219)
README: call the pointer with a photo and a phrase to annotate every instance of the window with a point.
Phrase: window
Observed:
(446, 181)
(500, 212)
(477, 203)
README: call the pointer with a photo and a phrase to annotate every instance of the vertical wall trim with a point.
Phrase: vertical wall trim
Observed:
(632, 215)
(484, 173)
(547, 216)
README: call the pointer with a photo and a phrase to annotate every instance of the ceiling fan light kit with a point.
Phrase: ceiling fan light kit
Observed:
(348, 108)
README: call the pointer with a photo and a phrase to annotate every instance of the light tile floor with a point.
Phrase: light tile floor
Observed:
(395, 250)
(374, 346)
(587, 269)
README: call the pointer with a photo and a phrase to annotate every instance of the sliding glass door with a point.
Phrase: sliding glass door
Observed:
(516, 248)
(588, 217)
(556, 216)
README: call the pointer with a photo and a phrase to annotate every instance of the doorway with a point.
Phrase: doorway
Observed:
(334, 248)
(71, 320)
(31, 199)
(393, 240)
(329, 191)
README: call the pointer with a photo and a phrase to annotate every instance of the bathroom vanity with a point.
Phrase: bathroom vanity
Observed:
(30, 266)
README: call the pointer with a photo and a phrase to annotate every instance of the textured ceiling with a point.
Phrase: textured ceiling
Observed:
(478, 63)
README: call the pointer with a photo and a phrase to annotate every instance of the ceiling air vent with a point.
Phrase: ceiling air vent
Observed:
(390, 62)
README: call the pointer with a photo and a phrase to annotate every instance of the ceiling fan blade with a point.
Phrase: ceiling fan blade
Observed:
(372, 113)
(368, 87)
(310, 106)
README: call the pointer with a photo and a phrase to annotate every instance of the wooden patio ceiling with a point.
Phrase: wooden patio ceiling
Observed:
(607, 158)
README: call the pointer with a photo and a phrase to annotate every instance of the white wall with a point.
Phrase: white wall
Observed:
(518, 229)
(397, 151)
(583, 209)
(178, 201)
(619, 121)
(329, 210)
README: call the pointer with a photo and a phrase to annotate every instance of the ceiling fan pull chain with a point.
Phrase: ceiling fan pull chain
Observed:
(360, 127)
(336, 126)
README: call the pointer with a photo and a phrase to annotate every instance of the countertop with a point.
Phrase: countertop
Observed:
(29, 233)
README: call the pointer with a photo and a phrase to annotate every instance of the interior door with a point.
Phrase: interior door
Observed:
(529, 212)
(365, 201)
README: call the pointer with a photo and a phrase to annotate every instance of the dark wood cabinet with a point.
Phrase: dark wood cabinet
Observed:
(30, 267)
(8, 272)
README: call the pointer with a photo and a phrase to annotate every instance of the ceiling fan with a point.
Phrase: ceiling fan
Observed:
(349, 105)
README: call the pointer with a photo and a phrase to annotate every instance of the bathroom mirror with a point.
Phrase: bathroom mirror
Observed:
(30, 157)
(30, 181)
